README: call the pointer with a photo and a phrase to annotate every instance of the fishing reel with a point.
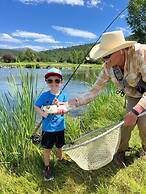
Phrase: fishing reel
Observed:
(36, 139)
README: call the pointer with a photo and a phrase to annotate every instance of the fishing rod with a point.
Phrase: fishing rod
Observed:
(82, 62)
(84, 59)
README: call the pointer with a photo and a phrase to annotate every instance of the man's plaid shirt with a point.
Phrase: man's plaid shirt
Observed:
(134, 70)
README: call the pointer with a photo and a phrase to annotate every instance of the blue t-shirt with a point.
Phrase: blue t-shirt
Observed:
(52, 123)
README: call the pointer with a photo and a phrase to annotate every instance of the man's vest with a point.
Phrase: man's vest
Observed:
(141, 85)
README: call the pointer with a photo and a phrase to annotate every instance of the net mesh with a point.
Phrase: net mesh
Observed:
(95, 149)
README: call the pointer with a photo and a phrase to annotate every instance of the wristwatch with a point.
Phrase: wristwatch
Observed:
(135, 112)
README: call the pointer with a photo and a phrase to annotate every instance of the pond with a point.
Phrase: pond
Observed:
(80, 82)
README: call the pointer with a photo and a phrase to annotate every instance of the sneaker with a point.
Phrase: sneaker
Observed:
(119, 159)
(48, 174)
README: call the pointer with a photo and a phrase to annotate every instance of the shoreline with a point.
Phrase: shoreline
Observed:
(46, 65)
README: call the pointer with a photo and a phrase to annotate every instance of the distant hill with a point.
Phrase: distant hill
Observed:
(74, 54)
(9, 51)
(84, 47)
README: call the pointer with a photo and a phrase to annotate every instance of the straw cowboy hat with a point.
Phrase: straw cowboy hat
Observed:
(110, 43)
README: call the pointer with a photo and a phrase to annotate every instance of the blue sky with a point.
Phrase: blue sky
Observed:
(49, 24)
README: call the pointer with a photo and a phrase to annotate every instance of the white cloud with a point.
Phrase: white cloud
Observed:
(88, 3)
(123, 16)
(43, 38)
(7, 38)
(25, 34)
(75, 32)
(68, 2)
(31, 1)
(57, 47)
(36, 48)
(93, 3)
(5, 46)
(111, 5)
(46, 40)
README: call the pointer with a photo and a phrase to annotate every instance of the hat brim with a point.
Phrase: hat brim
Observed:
(96, 52)
(52, 74)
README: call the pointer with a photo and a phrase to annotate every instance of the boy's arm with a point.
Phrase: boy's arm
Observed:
(40, 111)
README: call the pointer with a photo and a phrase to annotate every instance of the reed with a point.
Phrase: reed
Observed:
(17, 119)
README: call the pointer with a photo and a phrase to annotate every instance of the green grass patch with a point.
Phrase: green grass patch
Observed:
(21, 162)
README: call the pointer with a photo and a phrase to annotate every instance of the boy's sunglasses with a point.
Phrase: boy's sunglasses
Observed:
(57, 81)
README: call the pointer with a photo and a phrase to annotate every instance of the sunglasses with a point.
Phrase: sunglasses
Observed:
(50, 81)
(107, 57)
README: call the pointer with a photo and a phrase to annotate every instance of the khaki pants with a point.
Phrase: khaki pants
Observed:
(126, 132)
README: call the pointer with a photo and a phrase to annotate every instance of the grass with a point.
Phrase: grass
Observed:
(24, 185)
(21, 162)
(17, 121)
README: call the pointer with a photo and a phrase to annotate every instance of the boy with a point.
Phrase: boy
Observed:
(53, 125)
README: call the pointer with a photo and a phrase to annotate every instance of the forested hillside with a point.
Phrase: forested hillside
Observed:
(8, 51)
(74, 54)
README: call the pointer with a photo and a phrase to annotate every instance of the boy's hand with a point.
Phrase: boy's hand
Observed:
(57, 102)
(44, 114)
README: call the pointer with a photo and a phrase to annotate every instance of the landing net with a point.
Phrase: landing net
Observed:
(95, 149)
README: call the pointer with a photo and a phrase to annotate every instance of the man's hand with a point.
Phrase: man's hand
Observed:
(61, 111)
(130, 119)
(73, 102)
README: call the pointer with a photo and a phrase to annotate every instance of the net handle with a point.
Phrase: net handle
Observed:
(121, 123)
(71, 146)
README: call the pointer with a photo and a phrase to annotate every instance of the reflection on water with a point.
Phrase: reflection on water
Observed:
(78, 84)
(87, 74)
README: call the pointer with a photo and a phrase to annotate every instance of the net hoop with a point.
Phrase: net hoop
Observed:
(72, 146)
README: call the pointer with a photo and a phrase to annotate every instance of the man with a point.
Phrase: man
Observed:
(125, 65)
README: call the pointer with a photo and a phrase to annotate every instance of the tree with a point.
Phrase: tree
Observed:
(8, 58)
(137, 19)
(28, 55)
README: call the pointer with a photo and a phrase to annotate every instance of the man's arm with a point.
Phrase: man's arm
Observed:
(91, 95)
(141, 105)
